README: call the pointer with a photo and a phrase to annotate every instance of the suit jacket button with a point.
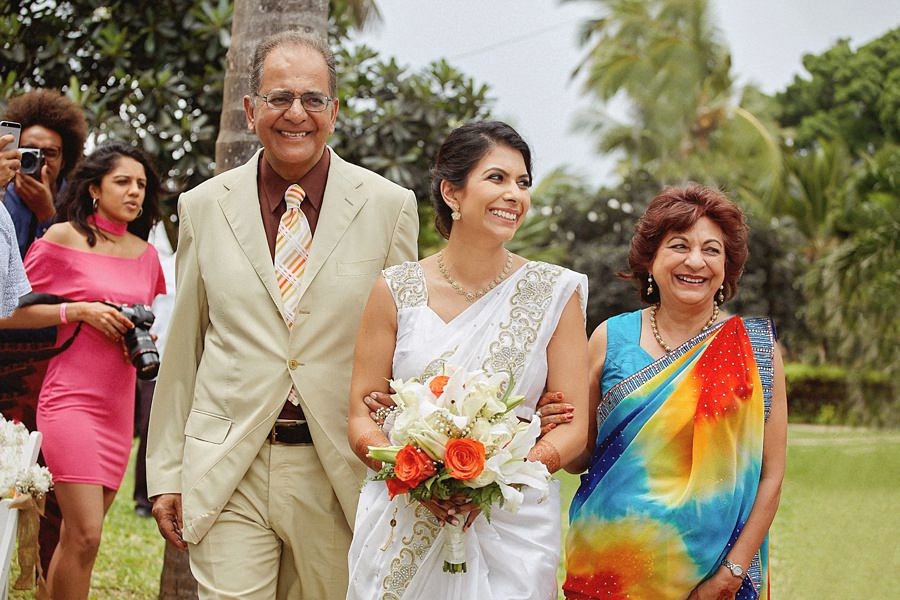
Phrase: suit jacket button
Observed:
(292, 364)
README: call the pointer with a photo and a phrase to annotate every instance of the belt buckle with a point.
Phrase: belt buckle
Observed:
(273, 434)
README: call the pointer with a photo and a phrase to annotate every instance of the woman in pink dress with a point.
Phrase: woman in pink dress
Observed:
(86, 405)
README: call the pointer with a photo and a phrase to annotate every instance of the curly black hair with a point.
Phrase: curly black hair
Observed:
(52, 110)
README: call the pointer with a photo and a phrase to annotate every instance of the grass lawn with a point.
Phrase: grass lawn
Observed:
(836, 534)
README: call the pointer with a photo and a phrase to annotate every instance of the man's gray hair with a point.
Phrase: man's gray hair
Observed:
(291, 38)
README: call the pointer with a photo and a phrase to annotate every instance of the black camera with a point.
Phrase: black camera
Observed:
(141, 348)
(32, 159)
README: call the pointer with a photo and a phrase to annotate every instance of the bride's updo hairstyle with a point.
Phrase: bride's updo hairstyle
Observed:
(458, 155)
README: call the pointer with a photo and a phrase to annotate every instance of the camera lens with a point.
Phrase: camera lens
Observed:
(28, 161)
(142, 352)
(141, 347)
(31, 160)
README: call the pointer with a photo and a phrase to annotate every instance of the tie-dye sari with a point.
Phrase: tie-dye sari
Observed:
(675, 470)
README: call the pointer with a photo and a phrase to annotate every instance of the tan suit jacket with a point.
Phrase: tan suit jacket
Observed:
(230, 360)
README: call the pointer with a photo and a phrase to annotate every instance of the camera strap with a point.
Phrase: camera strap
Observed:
(24, 340)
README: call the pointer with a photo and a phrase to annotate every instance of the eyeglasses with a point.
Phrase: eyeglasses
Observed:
(52, 152)
(283, 100)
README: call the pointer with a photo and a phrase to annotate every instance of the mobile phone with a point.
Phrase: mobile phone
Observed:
(10, 127)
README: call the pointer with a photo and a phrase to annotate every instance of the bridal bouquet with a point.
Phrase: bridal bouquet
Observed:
(15, 479)
(456, 435)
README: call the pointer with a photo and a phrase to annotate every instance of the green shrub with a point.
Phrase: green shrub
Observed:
(831, 395)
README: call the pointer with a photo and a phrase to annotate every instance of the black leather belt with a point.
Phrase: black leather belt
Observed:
(290, 434)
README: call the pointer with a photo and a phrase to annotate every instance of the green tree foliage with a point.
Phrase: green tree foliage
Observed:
(842, 183)
(596, 228)
(847, 95)
(151, 71)
(155, 72)
(665, 59)
(392, 120)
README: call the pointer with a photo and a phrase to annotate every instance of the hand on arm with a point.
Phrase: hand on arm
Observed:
(554, 410)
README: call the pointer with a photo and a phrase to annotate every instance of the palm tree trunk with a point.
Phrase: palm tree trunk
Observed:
(176, 582)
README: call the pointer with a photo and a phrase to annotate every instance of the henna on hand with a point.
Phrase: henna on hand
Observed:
(546, 453)
(372, 437)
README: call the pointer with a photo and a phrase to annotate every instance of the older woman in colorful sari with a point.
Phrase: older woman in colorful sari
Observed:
(685, 476)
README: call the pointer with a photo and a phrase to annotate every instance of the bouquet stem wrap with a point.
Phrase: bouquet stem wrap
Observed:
(454, 548)
(30, 572)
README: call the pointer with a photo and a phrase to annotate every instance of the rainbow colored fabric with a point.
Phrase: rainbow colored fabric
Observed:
(674, 475)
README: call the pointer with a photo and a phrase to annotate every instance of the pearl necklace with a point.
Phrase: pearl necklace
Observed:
(659, 340)
(472, 296)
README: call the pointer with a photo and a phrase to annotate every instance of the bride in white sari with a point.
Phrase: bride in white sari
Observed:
(475, 306)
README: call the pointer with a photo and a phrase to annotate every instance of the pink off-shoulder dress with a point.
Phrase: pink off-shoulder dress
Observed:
(86, 406)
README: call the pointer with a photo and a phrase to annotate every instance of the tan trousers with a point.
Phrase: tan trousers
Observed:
(281, 535)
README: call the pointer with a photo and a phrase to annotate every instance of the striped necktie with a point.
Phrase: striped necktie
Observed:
(292, 250)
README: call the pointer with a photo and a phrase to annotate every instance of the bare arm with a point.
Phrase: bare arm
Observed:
(767, 496)
(567, 368)
(101, 317)
(372, 364)
(596, 357)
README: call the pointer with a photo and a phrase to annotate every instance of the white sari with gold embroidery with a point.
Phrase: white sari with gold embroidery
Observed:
(397, 545)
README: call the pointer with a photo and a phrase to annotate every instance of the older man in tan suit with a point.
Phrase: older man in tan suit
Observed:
(248, 458)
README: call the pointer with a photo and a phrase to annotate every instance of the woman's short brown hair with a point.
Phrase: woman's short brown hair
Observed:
(677, 209)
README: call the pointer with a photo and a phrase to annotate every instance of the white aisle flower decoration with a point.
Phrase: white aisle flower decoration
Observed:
(16, 479)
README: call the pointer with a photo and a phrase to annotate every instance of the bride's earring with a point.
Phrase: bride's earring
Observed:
(455, 215)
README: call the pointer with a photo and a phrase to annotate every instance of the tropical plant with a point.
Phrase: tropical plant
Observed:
(685, 119)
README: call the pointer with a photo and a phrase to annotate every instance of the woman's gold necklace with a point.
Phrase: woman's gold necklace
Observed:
(472, 296)
(659, 340)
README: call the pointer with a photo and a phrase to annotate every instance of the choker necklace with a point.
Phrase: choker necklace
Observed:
(471, 296)
(659, 340)
(106, 225)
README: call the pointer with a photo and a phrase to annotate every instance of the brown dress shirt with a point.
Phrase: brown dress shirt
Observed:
(272, 206)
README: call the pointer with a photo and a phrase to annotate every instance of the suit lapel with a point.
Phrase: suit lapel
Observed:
(344, 198)
(240, 204)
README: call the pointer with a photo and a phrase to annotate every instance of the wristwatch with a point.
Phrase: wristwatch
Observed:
(736, 569)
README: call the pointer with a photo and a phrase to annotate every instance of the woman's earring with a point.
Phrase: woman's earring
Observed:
(94, 204)
(649, 284)
(721, 295)
(455, 214)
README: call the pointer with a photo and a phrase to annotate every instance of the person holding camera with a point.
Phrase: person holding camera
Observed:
(109, 275)
(13, 282)
(54, 131)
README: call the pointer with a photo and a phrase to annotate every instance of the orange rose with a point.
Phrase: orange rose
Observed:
(437, 385)
(413, 466)
(395, 487)
(464, 458)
